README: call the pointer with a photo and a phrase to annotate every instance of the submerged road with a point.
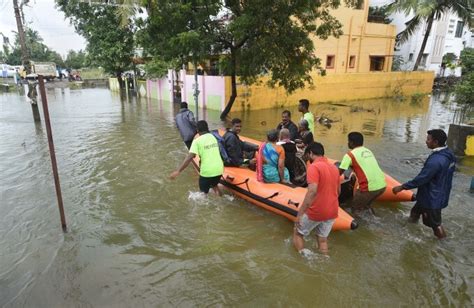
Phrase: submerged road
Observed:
(137, 239)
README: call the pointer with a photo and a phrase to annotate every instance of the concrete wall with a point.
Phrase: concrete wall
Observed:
(142, 88)
(212, 90)
(215, 90)
(461, 139)
(114, 85)
(335, 87)
(160, 89)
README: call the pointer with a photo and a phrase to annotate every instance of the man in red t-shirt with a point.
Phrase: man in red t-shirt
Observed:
(320, 206)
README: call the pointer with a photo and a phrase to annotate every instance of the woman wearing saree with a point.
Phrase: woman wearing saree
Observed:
(271, 161)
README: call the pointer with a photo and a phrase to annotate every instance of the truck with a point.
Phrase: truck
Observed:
(47, 69)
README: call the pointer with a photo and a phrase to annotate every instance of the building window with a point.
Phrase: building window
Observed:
(352, 61)
(459, 28)
(424, 58)
(330, 61)
(410, 57)
(360, 5)
(377, 63)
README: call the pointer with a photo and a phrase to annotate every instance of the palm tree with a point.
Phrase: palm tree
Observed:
(427, 11)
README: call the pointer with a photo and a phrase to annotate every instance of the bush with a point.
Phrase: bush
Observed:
(465, 90)
(467, 60)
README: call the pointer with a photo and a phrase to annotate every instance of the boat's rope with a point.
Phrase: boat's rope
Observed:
(246, 182)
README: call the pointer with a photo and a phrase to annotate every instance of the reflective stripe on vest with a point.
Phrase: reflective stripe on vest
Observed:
(361, 178)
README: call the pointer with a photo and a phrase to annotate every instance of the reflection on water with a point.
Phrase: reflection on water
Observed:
(135, 238)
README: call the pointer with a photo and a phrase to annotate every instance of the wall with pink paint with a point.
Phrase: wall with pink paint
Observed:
(211, 91)
(159, 89)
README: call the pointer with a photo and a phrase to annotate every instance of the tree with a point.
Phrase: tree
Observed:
(253, 38)
(37, 49)
(467, 60)
(108, 44)
(76, 59)
(465, 89)
(425, 12)
(379, 14)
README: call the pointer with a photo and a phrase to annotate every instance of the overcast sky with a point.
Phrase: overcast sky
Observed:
(43, 17)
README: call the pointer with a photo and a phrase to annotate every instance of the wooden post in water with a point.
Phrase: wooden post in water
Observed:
(52, 153)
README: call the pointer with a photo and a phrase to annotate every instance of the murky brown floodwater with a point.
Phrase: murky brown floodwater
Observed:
(137, 239)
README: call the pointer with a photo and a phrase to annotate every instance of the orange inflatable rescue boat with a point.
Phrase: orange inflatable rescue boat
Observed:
(284, 199)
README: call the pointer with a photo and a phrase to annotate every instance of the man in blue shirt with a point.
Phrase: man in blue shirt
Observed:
(434, 183)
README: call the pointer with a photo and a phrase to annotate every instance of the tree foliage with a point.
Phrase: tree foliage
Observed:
(252, 38)
(109, 45)
(467, 60)
(379, 14)
(465, 90)
(37, 48)
(76, 59)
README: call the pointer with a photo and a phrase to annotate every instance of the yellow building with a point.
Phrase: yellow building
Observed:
(357, 63)
(364, 46)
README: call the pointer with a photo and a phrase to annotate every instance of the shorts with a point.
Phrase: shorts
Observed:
(306, 225)
(362, 200)
(431, 217)
(207, 183)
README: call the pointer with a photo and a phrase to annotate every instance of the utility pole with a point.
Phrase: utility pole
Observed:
(25, 58)
(196, 89)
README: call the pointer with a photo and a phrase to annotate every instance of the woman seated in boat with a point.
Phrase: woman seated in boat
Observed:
(306, 136)
(271, 161)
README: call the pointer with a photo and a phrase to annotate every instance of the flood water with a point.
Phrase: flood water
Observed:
(138, 239)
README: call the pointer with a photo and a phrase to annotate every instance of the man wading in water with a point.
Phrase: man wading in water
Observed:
(210, 161)
(186, 124)
(369, 175)
(320, 205)
(434, 183)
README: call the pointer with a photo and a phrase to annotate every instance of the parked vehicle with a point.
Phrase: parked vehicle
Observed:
(74, 76)
(46, 69)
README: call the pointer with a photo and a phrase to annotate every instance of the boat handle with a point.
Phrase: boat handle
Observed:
(273, 195)
(293, 203)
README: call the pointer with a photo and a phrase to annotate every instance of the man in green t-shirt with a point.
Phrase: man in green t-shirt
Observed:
(308, 116)
(210, 161)
(370, 177)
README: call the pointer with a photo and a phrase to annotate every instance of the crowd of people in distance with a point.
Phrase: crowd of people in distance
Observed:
(286, 146)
